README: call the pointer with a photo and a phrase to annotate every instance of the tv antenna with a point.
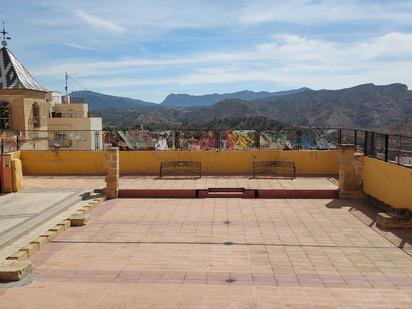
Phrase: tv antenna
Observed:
(5, 37)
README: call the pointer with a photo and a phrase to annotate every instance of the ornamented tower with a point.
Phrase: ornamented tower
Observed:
(22, 99)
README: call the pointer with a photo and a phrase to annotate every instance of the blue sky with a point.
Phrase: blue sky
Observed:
(148, 49)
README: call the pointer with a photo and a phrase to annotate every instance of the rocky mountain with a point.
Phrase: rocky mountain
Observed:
(365, 107)
(385, 108)
(98, 101)
(186, 100)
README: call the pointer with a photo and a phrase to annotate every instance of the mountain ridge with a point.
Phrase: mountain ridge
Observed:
(367, 106)
(186, 100)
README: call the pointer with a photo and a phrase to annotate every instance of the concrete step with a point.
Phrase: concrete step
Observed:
(10, 235)
(229, 193)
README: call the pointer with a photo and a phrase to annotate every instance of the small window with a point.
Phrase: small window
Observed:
(36, 115)
(5, 120)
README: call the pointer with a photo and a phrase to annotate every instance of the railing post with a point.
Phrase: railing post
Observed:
(340, 137)
(386, 147)
(18, 141)
(298, 136)
(355, 138)
(176, 140)
(257, 142)
(400, 149)
(1, 146)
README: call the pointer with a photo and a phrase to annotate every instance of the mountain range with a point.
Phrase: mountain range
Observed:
(384, 108)
(210, 99)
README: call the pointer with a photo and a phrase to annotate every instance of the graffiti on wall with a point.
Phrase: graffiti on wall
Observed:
(197, 140)
(238, 139)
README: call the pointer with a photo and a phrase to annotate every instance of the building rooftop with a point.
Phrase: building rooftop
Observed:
(13, 75)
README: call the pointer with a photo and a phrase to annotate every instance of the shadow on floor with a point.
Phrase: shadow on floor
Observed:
(367, 214)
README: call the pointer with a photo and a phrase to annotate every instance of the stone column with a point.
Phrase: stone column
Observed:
(112, 176)
(349, 182)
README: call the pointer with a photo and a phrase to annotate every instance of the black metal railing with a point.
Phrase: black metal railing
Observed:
(387, 147)
(391, 148)
(75, 114)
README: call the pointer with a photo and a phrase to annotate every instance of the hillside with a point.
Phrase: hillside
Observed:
(365, 106)
(384, 108)
(98, 101)
(186, 100)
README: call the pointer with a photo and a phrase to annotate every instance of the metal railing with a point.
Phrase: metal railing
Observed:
(75, 114)
(387, 147)
(391, 148)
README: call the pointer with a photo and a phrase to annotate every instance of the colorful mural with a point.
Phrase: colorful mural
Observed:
(140, 140)
(238, 139)
(282, 140)
(197, 140)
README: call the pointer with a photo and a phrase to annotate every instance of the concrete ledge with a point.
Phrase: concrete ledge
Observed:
(14, 270)
(31, 249)
(58, 229)
(65, 224)
(18, 256)
(50, 235)
(157, 193)
(392, 221)
(226, 193)
(23, 228)
(40, 241)
(79, 219)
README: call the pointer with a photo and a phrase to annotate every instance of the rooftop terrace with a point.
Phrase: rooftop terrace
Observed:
(224, 239)
(218, 253)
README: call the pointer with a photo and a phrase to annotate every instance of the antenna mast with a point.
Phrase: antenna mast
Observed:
(66, 77)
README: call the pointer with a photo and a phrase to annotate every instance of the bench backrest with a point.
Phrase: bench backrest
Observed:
(274, 167)
(181, 168)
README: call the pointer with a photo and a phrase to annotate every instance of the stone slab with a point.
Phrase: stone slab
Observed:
(14, 270)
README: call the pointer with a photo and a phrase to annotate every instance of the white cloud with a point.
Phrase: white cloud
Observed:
(98, 22)
(79, 46)
(321, 12)
(286, 61)
(188, 44)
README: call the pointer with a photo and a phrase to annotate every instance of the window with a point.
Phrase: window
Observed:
(5, 121)
(36, 115)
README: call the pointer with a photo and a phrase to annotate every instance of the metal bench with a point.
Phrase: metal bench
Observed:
(274, 168)
(181, 168)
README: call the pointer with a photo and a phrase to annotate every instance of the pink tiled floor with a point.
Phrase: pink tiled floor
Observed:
(219, 253)
(136, 182)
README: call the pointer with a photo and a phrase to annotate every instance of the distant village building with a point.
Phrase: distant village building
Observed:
(28, 107)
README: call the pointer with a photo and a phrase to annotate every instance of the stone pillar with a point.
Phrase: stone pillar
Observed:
(112, 176)
(349, 182)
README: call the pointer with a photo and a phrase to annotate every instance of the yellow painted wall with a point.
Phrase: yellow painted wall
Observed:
(15, 154)
(387, 182)
(62, 162)
(230, 162)
(148, 162)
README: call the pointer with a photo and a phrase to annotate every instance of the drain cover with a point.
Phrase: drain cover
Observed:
(230, 280)
(228, 243)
